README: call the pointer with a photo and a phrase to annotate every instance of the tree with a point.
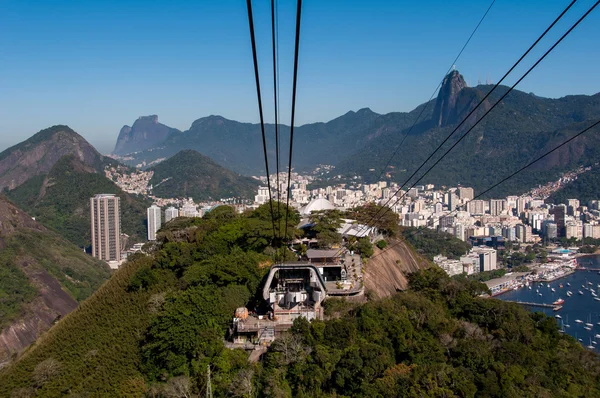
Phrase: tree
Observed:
(326, 223)
(365, 247)
(381, 244)
(178, 387)
(45, 371)
(382, 218)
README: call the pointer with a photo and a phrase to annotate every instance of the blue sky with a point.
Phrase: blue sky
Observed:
(96, 66)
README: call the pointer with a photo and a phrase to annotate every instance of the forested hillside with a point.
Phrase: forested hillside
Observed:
(191, 174)
(42, 278)
(160, 321)
(585, 188)
(61, 201)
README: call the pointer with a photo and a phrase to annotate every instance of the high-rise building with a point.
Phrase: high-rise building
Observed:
(446, 221)
(154, 221)
(262, 197)
(521, 232)
(550, 230)
(452, 201)
(574, 230)
(573, 203)
(189, 210)
(509, 233)
(476, 206)
(559, 219)
(520, 205)
(171, 213)
(487, 258)
(466, 193)
(497, 206)
(106, 227)
(459, 232)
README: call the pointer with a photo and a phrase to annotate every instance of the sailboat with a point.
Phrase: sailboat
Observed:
(568, 284)
(569, 293)
(553, 289)
(589, 323)
(578, 321)
(567, 324)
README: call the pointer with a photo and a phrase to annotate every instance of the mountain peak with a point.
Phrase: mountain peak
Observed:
(38, 154)
(145, 133)
(452, 85)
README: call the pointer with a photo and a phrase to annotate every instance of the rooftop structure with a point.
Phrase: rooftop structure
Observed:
(316, 205)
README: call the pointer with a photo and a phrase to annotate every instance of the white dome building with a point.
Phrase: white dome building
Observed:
(316, 205)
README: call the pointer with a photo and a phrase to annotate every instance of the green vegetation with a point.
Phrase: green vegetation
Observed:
(437, 340)
(157, 325)
(364, 247)
(78, 273)
(191, 174)
(521, 128)
(381, 244)
(430, 243)
(381, 217)
(61, 201)
(482, 276)
(161, 317)
(15, 289)
(585, 188)
(326, 224)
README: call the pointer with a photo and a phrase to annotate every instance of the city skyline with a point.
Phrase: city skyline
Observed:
(117, 58)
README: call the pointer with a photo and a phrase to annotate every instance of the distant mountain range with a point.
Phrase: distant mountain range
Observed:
(360, 143)
(42, 278)
(53, 174)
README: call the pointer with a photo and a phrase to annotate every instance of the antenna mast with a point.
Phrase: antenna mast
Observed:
(209, 393)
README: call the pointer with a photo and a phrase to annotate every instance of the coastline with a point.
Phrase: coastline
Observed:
(583, 255)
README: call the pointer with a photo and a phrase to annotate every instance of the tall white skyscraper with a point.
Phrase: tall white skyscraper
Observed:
(171, 213)
(154, 221)
(106, 227)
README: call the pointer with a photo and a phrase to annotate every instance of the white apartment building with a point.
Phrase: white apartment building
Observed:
(171, 213)
(154, 221)
(106, 227)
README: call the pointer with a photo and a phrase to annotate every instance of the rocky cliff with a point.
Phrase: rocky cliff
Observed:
(38, 154)
(445, 106)
(145, 133)
(386, 271)
(42, 278)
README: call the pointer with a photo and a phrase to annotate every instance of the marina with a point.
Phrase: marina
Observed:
(578, 294)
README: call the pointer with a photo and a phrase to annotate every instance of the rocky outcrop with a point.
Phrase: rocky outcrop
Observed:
(38, 315)
(37, 155)
(386, 272)
(445, 105)
(145, 133)
(54, 271)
